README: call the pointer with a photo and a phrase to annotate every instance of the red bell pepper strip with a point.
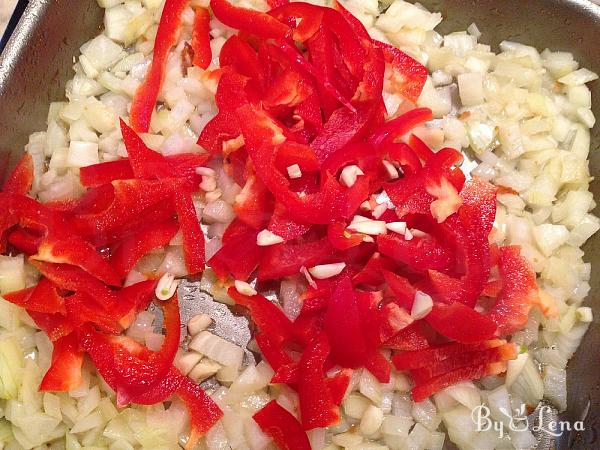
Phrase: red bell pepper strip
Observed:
(145, 97)
(411, 338)
(106, 172)
(392, 320)
(282, 427)
(420, 148)
(42, 298)
(288, 258)
(273, 350)
(203, 411)
(496, 354)
(268, 317)
(141, 242)
(126, 366)
(129, 200)
(239, 255)
(55, 325)
(75, 279)
(283, 225)
(372, 273)
(64, 373)
(21, 178)
(77, 252)
(400, 126)
(401, 287)
(310, 17)
(201, 38)
(343, 325)
(338, 385)
(422, 391)
(248, 20)
(412, 75)
(24, 241)
(461, 323)
(242, 57)
(317, 406)
(418, 253)
(416, 359)
(253, 205)
(343, 239)
(519, 292)
(193, 237)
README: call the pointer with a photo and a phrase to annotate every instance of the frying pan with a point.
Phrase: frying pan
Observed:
(37, 61)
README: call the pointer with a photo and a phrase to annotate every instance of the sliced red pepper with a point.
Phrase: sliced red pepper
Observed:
(400, 126)
(203, 411)
(77, 252)
(64, 373)
(273, 351)
(126, 372)
(74, 279)
(106, 172)
(423, 391)
(317, 406)
(411, 74)
(21, 178)
(401, 287)
(288, 258)
(55, 325)
(282, 427)
(129, 200)
(253, 205)
(193, 237)
(201, 38)
(496, 354)
(42, 298)
(268, 317)
(461, 323)
(239, 255)
(418, 253)
(372, 273)
(410, 338)
(309, 16)
(422, 358)
(519, 292)
(24, 240)
(343, 325)
(392, 320)
(283, 225)
(420, 148)
(145, 97)
(141, 242)
(248, 20)
(343, 239)
(338, 385)
(238, 53)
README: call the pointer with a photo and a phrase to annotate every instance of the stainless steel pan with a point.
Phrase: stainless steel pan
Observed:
(37, 63)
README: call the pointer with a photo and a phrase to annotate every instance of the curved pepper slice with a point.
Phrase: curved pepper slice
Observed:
(125, 365)
(21, 178)
(268, 317)
(193, 237)
(239, 255)
(283, 225)
(427, 389)
(248, 20)
(139, 243)
(418, 253)
(519, 292)
(24, 240)
(201, 38)
(400, 126)
(317, 406)
(106, 172)
(461, 323)
(43, 298)
(283, 428)
(145, 97)
(77, 252)
(64, 373)
(288, 258)
(55, 325)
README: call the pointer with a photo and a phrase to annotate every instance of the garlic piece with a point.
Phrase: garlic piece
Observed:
(166, 287)
(198, 323)
(244, 288)
(294, 171)
(266, 238)
(324, 271)
(422, 305)
(349, 175)
(396, 227)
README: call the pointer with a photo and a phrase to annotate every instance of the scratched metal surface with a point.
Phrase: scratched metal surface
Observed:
(37, 63)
